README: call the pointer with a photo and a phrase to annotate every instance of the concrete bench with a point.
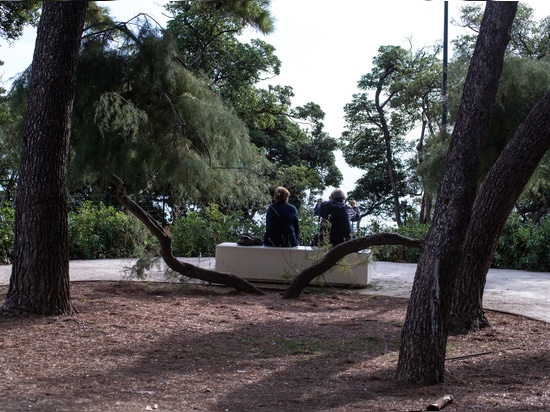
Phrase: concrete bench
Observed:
(282, 264)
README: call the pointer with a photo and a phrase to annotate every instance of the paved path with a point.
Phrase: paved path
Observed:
(513, 291)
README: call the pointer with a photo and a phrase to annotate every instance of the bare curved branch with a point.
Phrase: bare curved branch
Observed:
(165, 241)
(339, 251)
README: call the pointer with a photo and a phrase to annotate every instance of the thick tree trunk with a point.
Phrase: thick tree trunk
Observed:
(424, 335)
(495, 200)
(40, 273)
(426, 208)
(165, 241)
(341, 250)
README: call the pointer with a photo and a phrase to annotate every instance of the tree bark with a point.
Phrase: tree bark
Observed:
(425, 331)
(341, 250)
(165, 241)
(498, 194)
(388, 149)
(39, 281)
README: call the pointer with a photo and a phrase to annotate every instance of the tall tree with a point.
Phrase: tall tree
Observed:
(143, 123)
(495, 200)
(425, 332)
(210, 45)
(524, 81)
(528, 38)
(398, 94)
(39, 281)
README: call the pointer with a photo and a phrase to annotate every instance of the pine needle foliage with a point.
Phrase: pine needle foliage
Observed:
(141, 115)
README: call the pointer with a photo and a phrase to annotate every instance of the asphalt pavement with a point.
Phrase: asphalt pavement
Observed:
(512, 291)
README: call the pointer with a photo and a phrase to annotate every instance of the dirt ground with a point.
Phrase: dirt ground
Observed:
(153, 346)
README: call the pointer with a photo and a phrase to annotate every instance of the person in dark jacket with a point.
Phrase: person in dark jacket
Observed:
(335, 218)
(281, 222)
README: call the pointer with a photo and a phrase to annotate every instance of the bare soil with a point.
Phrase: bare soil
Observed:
(157, 346)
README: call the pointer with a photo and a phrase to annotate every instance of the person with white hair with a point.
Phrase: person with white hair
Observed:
(335, 220)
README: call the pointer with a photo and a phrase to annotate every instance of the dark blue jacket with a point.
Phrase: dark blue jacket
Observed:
(335, 221)
(281, 225)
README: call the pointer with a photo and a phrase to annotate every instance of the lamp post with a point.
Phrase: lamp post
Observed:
(445, 64)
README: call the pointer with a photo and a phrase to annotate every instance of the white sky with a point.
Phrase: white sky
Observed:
(325, 46)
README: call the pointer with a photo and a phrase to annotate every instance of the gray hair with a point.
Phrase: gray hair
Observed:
(338, 195)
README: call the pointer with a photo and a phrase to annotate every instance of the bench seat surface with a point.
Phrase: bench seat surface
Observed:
(282, 264)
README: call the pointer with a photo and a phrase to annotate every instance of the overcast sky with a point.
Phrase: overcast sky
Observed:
(325, 46)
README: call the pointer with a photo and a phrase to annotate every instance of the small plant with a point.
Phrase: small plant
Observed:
(7, 234)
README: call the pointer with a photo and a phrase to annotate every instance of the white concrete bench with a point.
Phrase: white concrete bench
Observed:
(282, 264)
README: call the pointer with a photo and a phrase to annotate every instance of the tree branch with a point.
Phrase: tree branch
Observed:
(339, 251)
(165, 241)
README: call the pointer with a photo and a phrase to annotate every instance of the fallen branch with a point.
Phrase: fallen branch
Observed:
(473, 355)
(165, 241)
(339, 251)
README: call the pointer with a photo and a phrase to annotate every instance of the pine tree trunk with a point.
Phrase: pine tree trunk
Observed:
(40, 273)
(496, 198)
(424, 335)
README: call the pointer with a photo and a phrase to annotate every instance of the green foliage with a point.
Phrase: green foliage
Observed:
(208, 42)
(97, 231)
(198, 233)
(309, 226)
(522, 83)
(15, 15)
(528, 38)
(401, 253)
(523, 246)
(141, 115)
(7, 234)
(401, 92)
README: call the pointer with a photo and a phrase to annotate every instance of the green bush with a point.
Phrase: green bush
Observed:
(97, 231)
(401, 253)
(7, 235)
(198, 233)
(523, 246)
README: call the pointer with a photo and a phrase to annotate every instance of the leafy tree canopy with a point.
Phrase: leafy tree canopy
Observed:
(524, 80)
(15, 15)
(400, 93)
(207, 37)
(142, 116)
(528, 38)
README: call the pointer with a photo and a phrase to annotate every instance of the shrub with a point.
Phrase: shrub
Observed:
(98, 231)
(512, 244)
(523, 246)
(309, 226)
(7, 234)
(401, 253)
(198, 233)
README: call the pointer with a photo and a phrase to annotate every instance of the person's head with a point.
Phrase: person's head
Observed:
(351, 202)
(281, 194)
(338, 195)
